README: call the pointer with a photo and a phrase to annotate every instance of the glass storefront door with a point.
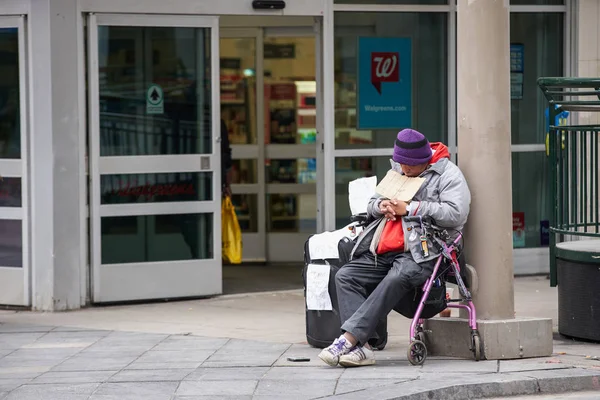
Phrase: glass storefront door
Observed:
(290, 140)
(268, 102)
(14, 244)
(241, 90)
(154, 157)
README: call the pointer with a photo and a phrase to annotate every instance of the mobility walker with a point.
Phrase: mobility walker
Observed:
(447, 269)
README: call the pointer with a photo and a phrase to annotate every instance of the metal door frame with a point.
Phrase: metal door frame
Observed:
(202, 277)
(17, 281)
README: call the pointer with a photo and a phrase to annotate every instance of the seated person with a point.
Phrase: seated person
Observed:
(383, 269)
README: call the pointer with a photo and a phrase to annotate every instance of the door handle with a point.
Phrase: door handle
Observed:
(204, 163)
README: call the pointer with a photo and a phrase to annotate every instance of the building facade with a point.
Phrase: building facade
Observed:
(112, 113)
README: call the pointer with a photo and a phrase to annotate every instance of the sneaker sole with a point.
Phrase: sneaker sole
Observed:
(331, 361)
(350, 363)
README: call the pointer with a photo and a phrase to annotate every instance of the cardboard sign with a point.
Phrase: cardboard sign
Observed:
(398, 186)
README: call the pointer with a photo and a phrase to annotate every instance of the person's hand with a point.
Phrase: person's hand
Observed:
(386, 208)
(393, 208)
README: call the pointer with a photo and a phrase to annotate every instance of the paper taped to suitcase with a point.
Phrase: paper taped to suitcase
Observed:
(324, 246)
(317, 287)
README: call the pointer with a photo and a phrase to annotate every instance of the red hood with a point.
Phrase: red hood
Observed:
(440, 150)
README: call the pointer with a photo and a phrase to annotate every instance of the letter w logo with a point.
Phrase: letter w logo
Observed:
(385, 67)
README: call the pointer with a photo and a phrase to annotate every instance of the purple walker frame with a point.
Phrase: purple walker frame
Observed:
(417, 351)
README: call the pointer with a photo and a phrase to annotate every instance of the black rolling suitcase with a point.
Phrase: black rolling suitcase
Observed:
(323, 327)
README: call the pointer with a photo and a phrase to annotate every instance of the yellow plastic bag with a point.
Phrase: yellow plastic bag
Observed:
(231, 233)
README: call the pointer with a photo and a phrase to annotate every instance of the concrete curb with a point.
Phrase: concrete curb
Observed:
(484, 386)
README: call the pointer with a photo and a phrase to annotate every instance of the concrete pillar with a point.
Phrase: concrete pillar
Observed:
(588, 49)
(484, 156)
(483, 74)
(55, 150)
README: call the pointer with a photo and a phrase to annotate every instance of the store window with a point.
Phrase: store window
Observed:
(536, 50)
(439, 2)
(10, 130)
(238, 88)
(537, 2)
(530, 199)
(537, 41)
(426, 34)
(11, 231)
(429, 2)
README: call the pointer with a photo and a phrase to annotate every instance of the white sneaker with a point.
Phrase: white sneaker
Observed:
(331, 354)
(359, 356)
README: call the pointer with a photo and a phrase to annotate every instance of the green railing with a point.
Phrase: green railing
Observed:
(574, 167)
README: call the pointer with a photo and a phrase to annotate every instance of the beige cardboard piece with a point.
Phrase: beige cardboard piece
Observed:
(399, 187)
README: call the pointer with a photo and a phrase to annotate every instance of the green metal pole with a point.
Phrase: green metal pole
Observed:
(553, 200)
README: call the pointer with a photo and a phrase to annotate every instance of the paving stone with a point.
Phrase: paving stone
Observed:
(280, 397)
(76, 329)
(110, 354)
(190, 342)
(157, 375)
(303, 373)
(557, 381)
(237, 345)
(227, 374)
(175, 356)
(212, 397)
(242, 353)
(530, 365)
(162, 365)
(53, 392)
(5, 352)
(459, 366)
(136, 390)
(302, 388)
(379, 372)
(74, 377)
(6, 385)
(17, 340)
(20, 328)
(18, 363)
(94, 364)
(82, 334)
(59, 344)
(39, 354)
(353, 385)
(22, 372)
(107, 346)
(214, 388)
(133, 338)
(448, 387)
(241, 360)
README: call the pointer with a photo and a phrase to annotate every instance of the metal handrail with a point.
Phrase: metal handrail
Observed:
(574, 163)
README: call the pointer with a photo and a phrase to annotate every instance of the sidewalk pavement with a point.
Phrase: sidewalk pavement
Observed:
(236, 347)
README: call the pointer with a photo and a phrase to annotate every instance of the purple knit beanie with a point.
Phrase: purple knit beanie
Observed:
(411, 148)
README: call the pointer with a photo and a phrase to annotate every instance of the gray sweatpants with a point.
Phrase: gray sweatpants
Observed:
(368, 291)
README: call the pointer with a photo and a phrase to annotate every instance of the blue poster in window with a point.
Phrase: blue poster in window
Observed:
(384, 83)
(517, 55)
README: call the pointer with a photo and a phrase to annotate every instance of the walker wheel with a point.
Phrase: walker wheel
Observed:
(476, 343)
(417, 352)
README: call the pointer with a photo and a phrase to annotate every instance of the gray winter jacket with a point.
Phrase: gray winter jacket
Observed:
(444, 196)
